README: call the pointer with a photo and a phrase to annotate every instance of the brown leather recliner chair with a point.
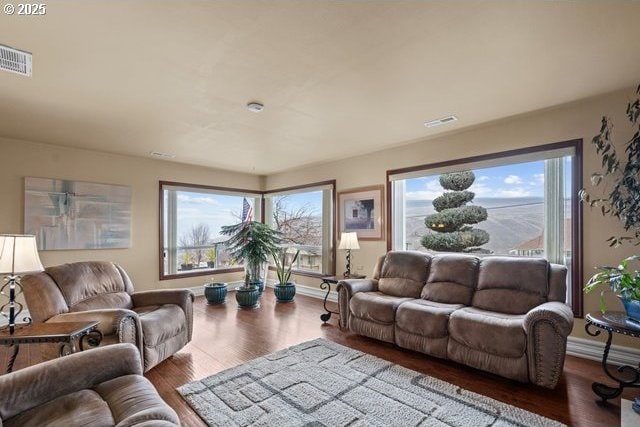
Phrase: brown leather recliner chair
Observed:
(101, 387)
(158, 322)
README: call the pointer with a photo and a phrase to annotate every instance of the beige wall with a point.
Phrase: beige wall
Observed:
(571, 121)
(20, 159)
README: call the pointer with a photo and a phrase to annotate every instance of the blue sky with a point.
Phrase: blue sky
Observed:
(509, 181)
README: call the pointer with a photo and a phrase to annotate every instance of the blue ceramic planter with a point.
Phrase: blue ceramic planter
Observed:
(248, 297)
(632, 307)
(258, 284)
(215, 293)
(284, 293)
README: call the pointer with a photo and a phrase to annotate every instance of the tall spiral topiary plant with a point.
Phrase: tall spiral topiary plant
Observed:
(452, 222)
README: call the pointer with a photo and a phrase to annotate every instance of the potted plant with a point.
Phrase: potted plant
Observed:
(247, 295)
(211, 258)
(186, 260)
(620, 177)
(215, 292)
(284, 290)
(621, 280)
(251, 242)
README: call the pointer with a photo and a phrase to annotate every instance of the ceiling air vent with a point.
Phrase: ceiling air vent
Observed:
(15, 61)
(442, 121)
(161, 155)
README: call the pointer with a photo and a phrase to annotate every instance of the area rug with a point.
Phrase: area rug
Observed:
(321, 383)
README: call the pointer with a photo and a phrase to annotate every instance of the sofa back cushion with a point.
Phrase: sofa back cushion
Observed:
(404, 273)
(92, 285)
(511, 285)
(452, 279)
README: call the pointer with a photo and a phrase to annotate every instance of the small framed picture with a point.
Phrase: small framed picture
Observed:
(361, 210)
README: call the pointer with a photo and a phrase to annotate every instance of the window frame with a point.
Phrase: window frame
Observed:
(576, 271)
(332, 226)
(207, 272)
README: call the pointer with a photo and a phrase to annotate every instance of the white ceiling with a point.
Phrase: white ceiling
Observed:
(338, 78)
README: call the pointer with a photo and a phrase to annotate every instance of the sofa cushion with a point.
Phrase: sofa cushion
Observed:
(375, 306)
(403, 274)
(498, 334)
(160, 322)
(82, 408)
(452, 279)
(426, 318)
(133, 399)
(91, 285)
(511, 284)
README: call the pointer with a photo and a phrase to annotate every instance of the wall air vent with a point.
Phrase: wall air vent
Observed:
(15, 61)
(442, 121)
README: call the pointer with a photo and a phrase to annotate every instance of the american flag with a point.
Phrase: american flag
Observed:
(247, 211)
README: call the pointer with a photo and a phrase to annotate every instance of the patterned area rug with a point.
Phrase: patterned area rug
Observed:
(320, 383)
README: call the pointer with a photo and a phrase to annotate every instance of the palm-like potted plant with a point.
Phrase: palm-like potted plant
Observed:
(284, 290)
(251, 242)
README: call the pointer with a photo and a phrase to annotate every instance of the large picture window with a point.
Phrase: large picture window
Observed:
(516, 203)
(191, 218)
(305, 217)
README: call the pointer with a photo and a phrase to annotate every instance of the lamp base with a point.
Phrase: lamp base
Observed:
(12, 309)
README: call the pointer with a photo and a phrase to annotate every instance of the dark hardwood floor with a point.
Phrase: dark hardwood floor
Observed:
(225, 337)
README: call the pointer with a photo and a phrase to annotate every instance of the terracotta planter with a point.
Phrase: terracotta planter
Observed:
(284, 292)
(248, 297)
(215, 293)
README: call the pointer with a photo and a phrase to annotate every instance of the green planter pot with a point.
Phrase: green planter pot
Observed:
(284, 293)
(215, 293)
(248, 297)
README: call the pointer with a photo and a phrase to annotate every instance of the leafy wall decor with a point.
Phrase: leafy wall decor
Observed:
(619, 177)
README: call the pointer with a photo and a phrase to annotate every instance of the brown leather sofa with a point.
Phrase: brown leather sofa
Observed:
(158, 322)
(504, 315)
(98, 387)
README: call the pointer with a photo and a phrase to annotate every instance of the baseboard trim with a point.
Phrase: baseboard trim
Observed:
(593, 350)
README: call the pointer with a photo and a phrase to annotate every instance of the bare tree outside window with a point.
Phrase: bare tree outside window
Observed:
(195, 241)
(299, 225)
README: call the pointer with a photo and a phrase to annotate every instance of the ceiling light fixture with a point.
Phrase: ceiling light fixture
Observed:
(442, 121)
(256, 107)
(161, 155)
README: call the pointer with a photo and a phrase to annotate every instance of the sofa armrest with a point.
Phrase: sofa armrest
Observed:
(38, 384)
(182, 297)
(346, 290)
(547, 327)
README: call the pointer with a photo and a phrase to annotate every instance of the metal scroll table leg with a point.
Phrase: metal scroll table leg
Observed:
(326, 316)
(631, 379)
(12, 359)
(93, 339)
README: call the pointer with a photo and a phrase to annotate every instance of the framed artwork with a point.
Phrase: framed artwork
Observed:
(66, 214)
(361, 210)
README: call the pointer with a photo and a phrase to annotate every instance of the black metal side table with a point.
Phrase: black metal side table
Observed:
(66, 333)
(629, 376)
(326, 284)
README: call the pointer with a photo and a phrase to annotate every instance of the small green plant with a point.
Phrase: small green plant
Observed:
(210, 255)
(282, 271)
(186, 258)
(620, 280)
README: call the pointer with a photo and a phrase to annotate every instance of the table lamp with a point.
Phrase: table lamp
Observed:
(18, 255)
(348, 241)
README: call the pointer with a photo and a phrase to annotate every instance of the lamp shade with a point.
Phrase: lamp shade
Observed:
(349, 241)
(19, 254)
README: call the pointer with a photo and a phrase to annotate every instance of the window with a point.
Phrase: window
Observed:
(517, 203)
(305, 216)
(191, 217)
